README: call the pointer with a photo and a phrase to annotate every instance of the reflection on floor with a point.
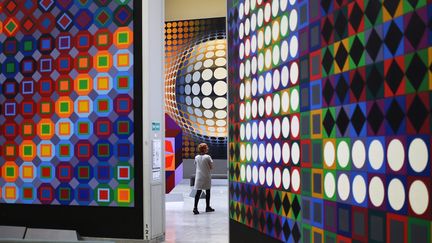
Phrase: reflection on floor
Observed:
(183, 226)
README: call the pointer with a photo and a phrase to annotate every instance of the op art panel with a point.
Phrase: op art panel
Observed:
(330, 119)
(196, 83)
(66, 99)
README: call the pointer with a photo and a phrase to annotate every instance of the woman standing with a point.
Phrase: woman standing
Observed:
(204, 165)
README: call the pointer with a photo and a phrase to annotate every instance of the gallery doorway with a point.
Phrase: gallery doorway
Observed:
(196, 105)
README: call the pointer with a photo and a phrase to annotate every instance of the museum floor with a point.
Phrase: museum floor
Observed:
(183, 226)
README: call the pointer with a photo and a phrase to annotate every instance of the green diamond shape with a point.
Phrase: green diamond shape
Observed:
(11, 26)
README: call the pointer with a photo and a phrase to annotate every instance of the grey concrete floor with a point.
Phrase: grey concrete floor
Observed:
(183, 226)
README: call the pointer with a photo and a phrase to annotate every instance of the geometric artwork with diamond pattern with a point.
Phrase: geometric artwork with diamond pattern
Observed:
(196, 83)
(330, 119)
(66, 98)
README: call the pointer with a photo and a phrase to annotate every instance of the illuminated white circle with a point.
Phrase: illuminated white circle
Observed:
(295, 180)
(358, 153)
(396, 194)
(343, 187)
(343, 154)
(418, 155)
(418, 197)
(376, 154)
(329, 153)
(295, 153)
(376, 191)
(329, 185)
(286, 179)
(295, 126)
(359, 189)
(395, 154)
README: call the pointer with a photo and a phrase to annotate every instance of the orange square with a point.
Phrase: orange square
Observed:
(10, 151)
(64, 85)
(124, 195)
(45, 108)
(83, 62)
(103, 40)
(27, 129)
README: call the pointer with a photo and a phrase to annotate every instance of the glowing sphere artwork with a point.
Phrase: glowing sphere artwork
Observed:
(196, 89)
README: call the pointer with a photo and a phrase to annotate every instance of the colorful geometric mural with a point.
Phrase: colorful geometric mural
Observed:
(66, 98)
(196, 83)
(173, 154)
(330, 119)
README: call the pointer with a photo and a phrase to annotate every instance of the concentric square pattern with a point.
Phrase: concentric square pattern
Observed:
(330, 119)
(66, 98)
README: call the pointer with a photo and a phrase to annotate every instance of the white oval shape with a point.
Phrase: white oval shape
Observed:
(329, 154)
(343, 154)
(358, 153)
(418, 155)
(277, 178)
(293, 19)
(277, 153)
(286, 153)
(286, 179)
(293, 46)
(261, 153)
(359, 189)
(295, 153)
(418, 197)
(343, 187)
(295, 126)
(395, 155)
(255, 175)
(295, 180)
(396, 194)
(329, 185)
(294, 73)
(376, 191)
(285, 127)
(376, 154)
(242, 173)
(269, 176)
(262, 175)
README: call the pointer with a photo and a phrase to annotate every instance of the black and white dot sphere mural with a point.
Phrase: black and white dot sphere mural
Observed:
(199, 104)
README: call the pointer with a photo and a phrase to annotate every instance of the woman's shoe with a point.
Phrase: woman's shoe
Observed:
(209, 209)
(195, 211)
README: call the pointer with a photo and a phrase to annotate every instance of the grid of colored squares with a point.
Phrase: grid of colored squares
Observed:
(331, 119)
(67, 103)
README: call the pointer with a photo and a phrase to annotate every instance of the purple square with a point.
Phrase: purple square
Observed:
(64, 42)
(27, 87)
(10, 109)
(46, 65)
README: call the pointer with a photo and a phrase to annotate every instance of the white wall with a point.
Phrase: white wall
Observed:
(194, 9)
(153, 100)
